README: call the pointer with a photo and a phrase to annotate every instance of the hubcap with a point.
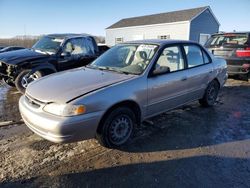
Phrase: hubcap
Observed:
(27, 79)
(120, 129)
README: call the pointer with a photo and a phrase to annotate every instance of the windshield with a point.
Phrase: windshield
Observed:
(227, 39)
(48, 44)
(126, 58)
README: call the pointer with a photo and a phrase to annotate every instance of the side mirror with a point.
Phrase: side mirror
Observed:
(161, 70)
(65, 54)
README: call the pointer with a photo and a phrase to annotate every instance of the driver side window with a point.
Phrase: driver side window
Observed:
(78, 46)
(171, 57)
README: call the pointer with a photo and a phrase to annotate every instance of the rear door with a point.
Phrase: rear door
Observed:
(199, 71)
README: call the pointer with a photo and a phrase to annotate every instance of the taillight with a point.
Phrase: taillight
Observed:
(243, 52)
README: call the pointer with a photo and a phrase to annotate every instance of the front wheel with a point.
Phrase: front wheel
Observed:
(117, 127)
(8, 82)
(24, 79)
(211, 94)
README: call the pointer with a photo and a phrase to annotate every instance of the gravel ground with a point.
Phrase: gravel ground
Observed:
(188, 147)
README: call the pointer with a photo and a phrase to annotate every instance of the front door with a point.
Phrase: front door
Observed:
(167, 91)
(76, 52)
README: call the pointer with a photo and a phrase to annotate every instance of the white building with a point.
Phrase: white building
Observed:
(193, 24)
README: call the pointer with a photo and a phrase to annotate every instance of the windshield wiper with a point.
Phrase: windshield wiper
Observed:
(120, 71)
(97, 67)
(108, 69)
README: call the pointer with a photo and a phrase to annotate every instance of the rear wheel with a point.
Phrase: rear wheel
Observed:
(211, 94)
(117, 127)
(24, 79)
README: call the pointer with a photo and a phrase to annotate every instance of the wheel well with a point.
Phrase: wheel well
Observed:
(130, 104)
(217, 82)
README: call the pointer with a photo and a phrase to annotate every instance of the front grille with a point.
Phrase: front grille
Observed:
(33, 102)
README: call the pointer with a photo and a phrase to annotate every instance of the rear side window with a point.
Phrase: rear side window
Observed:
(227, 39)
(206, 58)
(194, 55)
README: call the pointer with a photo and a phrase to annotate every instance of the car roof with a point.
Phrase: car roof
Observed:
(14, 47)
(68, 35)
(238, 32)
(159, 41)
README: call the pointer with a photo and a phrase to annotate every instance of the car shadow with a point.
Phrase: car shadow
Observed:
(194, 126)
(199, 171)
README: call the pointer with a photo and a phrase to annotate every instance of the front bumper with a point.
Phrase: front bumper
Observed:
(59, 129)
(7, 71)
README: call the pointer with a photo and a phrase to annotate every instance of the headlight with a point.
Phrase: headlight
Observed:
(64, 109)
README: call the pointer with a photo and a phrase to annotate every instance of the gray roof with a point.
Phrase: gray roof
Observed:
(169, 17)
(67, 35)
(159, 41)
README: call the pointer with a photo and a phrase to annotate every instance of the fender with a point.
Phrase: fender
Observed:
(43, 66)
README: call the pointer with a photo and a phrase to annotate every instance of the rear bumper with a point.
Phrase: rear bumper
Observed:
(238, 66)
(237, 70)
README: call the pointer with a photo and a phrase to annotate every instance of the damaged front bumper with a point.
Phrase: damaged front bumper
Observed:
(7, 71)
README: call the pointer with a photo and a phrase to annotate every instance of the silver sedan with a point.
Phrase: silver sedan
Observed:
(125, 86)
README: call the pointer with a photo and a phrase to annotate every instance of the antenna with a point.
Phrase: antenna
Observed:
(24, 29)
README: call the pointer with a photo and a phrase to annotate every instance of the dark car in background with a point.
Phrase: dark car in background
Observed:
(52, 53)
(1, 47)
(235, 49)
(103, 48)
(11, 48)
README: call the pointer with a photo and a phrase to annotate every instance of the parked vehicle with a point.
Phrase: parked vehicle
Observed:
(52, 53)
(235, 48)
(102, 48)
(126, 85)
(11, 48)
(1, 47)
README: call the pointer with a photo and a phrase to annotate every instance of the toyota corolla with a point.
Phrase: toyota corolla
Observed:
(128, 84)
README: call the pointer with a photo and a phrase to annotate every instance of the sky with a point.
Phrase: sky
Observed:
(36, 17)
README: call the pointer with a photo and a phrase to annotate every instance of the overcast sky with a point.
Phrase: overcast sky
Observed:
(36, 17)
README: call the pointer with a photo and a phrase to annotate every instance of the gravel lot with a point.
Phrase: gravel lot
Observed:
(188, 147)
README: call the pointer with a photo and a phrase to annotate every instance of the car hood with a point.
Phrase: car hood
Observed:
(65, 86)
(18, 56)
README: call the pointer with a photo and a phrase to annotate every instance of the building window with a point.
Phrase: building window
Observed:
(164, 37)
(203, 38)
(118, 40)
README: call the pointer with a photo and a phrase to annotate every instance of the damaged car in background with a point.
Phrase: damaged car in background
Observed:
(128, 84)
(52, 53)
(235, 48)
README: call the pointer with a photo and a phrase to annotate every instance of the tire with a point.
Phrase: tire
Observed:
(21, 82)
(117, 128)
(210, 95)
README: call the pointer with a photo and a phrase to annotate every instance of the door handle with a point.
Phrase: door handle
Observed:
(184, 78)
